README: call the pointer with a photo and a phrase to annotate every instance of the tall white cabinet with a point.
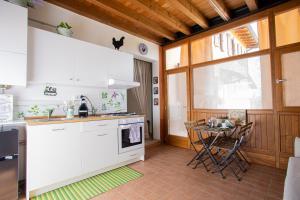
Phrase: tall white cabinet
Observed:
(13, 44)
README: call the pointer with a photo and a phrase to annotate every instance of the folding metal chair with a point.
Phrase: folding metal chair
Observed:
(232, 145)
(207, 148)
(230, 157)
(189, 127)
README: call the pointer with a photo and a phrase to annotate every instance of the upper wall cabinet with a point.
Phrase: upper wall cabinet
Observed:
(53, 58)
(13, 34)
(13, 44)
(92, 62)
(121, 67)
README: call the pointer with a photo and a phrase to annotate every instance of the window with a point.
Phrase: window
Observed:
(287, 27)
(241, 40)
(177, 57)
(238, 84)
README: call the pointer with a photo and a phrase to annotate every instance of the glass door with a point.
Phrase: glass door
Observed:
(177, 107)
(288, 81)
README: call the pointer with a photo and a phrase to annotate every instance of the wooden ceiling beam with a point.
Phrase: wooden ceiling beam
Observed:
(163, 15)
(220, 7)
(187, 8)
(252, 5)
(96, 14)
(118, 9)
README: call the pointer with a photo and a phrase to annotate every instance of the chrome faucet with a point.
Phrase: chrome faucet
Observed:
(49, 112)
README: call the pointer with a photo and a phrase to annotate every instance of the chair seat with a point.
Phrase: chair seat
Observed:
(225, 143)
(207, 140)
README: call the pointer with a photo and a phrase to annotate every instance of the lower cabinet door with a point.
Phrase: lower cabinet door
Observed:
(53, 154)
(99, 149)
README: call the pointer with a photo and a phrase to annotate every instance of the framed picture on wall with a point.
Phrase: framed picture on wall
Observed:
(155, 90)
(155, 101)
(155, 80)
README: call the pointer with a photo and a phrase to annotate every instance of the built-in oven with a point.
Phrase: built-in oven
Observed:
(130, 134)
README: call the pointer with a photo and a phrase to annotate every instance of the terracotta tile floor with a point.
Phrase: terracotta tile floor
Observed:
(166, 176)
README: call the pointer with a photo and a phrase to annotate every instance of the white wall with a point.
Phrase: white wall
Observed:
(92, 31)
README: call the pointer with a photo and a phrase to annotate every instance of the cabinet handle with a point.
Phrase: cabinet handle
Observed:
(100, 135)
(102, 125)
(58, 129)
(71, 79)
(133, 155)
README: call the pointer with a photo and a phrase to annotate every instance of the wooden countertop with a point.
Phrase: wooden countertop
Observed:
(35, 122)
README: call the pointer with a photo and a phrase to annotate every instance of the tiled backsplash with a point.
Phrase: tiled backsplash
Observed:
(31, 101)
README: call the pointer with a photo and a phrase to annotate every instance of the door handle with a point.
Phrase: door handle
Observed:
(100, 135)
(280, 81)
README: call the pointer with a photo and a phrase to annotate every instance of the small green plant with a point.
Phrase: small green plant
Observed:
(64, 25)
(34, 110)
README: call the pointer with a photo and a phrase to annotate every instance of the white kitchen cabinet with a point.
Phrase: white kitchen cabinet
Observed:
(51, 57)
(53, 154)
(99, 150)
(60, 154)
(92, 62)
(13, 70)
(121, 67)
(13, 44)
(13, 34)
(57, 59)
(99, 146)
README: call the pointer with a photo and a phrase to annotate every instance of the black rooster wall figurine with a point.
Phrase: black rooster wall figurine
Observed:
(118, 44)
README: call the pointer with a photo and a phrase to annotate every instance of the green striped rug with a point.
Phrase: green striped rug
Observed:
(93, 186)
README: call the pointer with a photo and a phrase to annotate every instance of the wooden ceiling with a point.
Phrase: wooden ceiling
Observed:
(163, 21)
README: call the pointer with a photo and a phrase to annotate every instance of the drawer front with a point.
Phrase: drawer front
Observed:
(98, 125)
(131, 155)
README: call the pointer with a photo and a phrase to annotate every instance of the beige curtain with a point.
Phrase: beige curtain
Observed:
(288, 27)
(142, 74)
(201, 50)
(263, 34)
(184, 59)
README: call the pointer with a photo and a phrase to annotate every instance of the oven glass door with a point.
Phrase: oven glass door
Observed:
(125, 144)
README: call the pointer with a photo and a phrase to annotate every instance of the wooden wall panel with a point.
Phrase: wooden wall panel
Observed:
(289, 125)
(289, 129)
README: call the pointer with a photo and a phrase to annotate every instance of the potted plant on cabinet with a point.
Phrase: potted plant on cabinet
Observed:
(64, 29)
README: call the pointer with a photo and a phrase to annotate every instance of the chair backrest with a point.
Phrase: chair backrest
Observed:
(245, 132)
(238, 143)
(239, 116)
(190, 125)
